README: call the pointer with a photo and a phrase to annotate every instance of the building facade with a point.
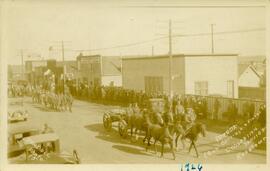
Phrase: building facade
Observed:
(97, 70)
(201, 74)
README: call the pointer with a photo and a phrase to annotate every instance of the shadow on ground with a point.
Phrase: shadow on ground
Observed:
(43, 108)
(132, 150)
(113, 136)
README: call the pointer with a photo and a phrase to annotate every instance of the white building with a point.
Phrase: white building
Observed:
(202, 74)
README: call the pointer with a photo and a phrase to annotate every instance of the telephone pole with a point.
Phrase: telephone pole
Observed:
(22, 74)
(22, 64)
(64, 66)
(212, 37)
(170, 58)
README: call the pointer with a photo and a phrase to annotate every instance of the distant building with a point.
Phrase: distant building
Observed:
(251, 81)
(249, 77)
(71, 68)
(201, 74)
(15, 72)
(99, 70)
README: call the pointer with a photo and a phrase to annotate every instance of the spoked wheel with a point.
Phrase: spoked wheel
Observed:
(123, 128)
(107, 122)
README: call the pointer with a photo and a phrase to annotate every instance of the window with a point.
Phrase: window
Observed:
(153, 84)
(201, 88)
(230, 88)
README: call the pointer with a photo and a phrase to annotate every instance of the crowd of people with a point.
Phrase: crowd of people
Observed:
(121, 96)
(199, 104)
(124, 97)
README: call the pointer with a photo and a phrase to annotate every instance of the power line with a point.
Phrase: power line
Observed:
(164, 37)
(220, 33)
(124, 45)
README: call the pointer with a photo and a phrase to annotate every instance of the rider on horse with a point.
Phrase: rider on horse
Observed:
(189, 119)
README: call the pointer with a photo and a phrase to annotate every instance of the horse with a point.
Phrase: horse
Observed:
(161, 134)
(157, 118)
(192, 134)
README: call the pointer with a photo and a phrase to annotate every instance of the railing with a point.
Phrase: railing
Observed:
(224, 102)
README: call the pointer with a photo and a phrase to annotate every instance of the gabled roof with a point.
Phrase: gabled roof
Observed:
(243, 67)
(255, 71)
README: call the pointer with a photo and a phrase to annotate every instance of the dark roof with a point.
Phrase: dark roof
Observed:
(176, 55)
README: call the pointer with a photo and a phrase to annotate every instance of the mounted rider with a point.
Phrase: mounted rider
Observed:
(189, 118)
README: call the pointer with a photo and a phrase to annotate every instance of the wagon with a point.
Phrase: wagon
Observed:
(154, 105)
(112, 116)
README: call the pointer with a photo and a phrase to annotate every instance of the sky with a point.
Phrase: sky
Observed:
(34, 26)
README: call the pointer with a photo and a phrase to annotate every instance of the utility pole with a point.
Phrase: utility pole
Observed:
(152, 50)
(64, 66)
(212, 37)
(170, 58)
(22, 73)
(22, 64)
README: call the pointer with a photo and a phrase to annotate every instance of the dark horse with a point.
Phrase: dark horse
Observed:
(163, 134)
(192, 134)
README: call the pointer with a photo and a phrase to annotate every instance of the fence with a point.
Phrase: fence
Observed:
(224, 101)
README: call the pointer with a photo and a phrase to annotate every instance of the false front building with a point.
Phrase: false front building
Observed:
(200, 74)
(97, 70)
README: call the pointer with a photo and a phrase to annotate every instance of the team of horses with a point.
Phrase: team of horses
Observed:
(164, 128)
(58, 102)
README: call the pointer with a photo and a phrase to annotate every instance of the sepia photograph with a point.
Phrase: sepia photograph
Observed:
(133, 82)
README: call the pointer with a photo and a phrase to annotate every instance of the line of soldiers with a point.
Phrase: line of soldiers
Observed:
(59, 102)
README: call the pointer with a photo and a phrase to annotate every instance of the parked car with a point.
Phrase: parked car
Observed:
(17, 116)
(45, 149)
(15, 136)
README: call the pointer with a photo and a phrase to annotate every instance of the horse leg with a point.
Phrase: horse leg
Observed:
(176, 141)
(131, 131)
(145, 138)
(183, 142)
(148, 143)
(195, 148)
(136, 134)
(171, 144)
(155, 146)
(191, 144)
(162, 148)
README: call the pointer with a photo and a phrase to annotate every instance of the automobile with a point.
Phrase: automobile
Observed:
(16, 133)
(17, 116)
(45, 149)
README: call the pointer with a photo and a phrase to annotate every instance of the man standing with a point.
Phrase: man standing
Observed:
(216, 108)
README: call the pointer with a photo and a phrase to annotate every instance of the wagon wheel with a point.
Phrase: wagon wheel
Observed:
(107, 121)
(123, 128)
